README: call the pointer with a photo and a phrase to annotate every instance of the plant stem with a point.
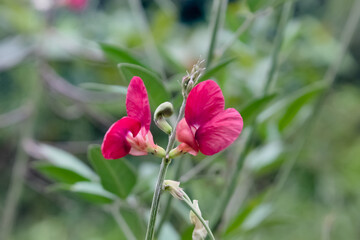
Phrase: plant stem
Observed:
(20, 166)
(230, 189)
(115, 212)
(187, 200)
(219, 7)
(329, 79)
(148, 38)
(285, 15)
(167, 207)
(160, 180)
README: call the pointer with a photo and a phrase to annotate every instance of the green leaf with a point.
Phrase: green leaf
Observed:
(64, 160)
(302, 98)
(213, 70)
(116, 176)
(156, 90)
(104, 88)
(92, 192)
(246, 219)
(254, 107)
(118, 54)
(58, 174)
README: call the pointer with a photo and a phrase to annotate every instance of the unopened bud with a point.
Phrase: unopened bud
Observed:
(157, 151)
(174, 189)
(190, 79)
(199, 232)
(163, 111)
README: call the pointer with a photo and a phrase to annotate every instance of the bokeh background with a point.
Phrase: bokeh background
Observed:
(60, 84)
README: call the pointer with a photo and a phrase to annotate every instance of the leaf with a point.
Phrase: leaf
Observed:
(302, 98)
(92, 192)
(250, 215)
(264, 155)
(13, 51)
(156, 90)
(213, 70)
(64, 160)
(118, 54)
(251, 110)
(58, 174)
(105, 88)
(116, 176)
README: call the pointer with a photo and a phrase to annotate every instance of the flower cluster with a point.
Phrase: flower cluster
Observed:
(207, 126)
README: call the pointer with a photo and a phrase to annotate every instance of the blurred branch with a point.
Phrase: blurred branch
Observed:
(327, 225)
(114, 210)
(60, 85)
(230, 189)
(246, 24)
(198, 168)
(218, 11)
(329, 78)
(15, 116)
(19, 168)
(148, 39)
(80, 96)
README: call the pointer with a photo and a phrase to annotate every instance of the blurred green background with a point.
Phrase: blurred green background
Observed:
(61, 85)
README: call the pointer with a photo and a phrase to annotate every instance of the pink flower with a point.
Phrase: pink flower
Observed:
(76, 5)
(131, 134)
(207, 126)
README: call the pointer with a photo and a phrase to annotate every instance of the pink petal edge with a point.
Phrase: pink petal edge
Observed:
(115, 145)
(219, 132)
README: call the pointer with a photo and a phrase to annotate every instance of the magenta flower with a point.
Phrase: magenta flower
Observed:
(131, 134)
(76, 5)
(207, 126)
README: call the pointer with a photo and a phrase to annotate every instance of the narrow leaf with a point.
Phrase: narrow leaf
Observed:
(104, 88)
(64, 160)
(92, 192)
(213, 70)
(118, 54)
(59, 174)
(116, 176)
(156, 90)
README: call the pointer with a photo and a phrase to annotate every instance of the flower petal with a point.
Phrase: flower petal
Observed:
(184, 134)
(205, 101)
(137, 102)
(115, 144)
(219, 132)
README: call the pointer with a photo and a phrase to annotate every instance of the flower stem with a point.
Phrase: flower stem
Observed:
(115, 212)
(230, 189)
(219, 7)
(187, 200)
(160, 180)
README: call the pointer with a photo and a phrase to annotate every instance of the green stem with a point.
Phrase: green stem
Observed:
(329, 79)
(148, 38)
(115, 212)
(285, 15)
(20, 166)
(218, 9)
(187, 200)
(160, 180)
(230, 189)
(169, 199)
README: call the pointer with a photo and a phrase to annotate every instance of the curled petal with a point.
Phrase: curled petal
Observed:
(137, 102)
(204, 102)
(186, 135)
(115, 144)
(219, 132)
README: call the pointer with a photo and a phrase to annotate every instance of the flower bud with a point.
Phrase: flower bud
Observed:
(190, 79)
(174, 188)
(199, 232)
(157, 151)
(163, 111)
